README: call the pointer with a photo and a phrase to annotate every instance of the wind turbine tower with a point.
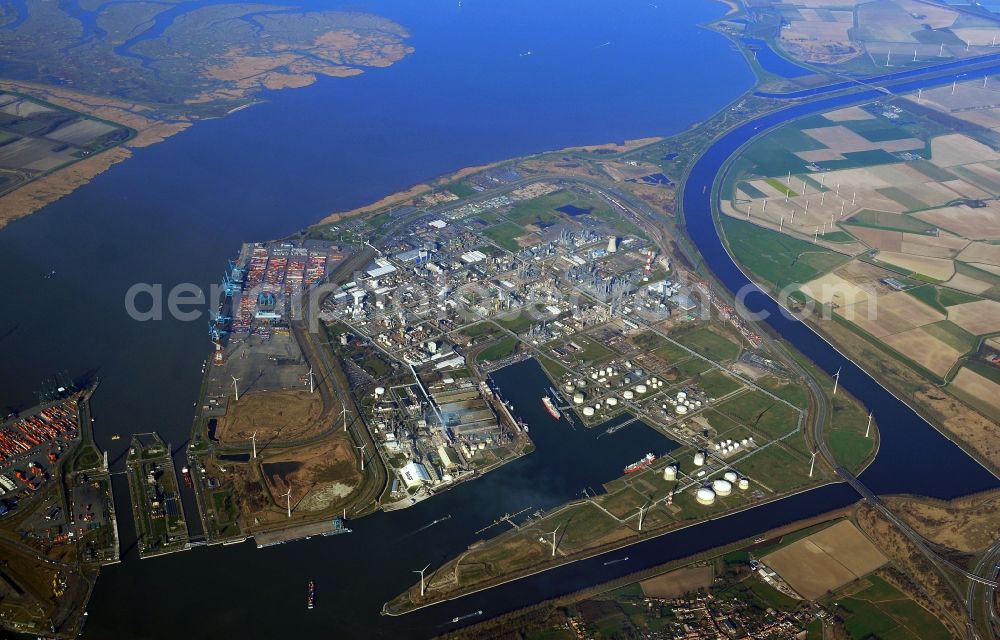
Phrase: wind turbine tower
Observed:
(236, 388)
(253, 442)
(421, 572)
(362, 449)
(288, 500)
(311, 387)
(836, 381)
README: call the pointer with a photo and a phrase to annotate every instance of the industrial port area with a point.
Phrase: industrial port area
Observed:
(355, 368)
(57, 514)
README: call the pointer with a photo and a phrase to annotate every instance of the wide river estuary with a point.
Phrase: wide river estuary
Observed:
(598, 72)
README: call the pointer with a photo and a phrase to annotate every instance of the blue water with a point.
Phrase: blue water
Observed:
(177, 210)
(773, 62)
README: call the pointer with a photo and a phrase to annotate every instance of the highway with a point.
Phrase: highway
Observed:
(988, 565)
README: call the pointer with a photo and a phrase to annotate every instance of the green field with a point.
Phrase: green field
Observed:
(505, 234)
(774, 257)
(882, 611)
(762, 414)
(890, 221)
(499, 350)
(708, 343)
(717, 384)
(792, 392)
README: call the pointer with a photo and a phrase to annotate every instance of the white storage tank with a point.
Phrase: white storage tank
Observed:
(628, 395)
(722, 487)
(379, 391)
(681, 409)
(568, 387)
(588, 411)
(744, 484)
(699, 459)
(612, 401)
(670, 472)
(681, 396)
(641, 388)
(578, 397)
(581, 383)
(730, 476)
(705, 496)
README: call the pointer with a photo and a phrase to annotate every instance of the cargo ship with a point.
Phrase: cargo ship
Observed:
(311, 595)
(641, 464)
(551, 407)
(186, 474)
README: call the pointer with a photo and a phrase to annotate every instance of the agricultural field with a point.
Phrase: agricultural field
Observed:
(872, 606)
(826, 560)
(883, 219)
(860, 35)
(37, 138)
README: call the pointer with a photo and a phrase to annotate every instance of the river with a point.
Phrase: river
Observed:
(175, 211)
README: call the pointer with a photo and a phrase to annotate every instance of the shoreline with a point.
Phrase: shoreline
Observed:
(611, 548)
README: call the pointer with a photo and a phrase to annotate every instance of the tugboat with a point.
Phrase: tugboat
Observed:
(311, 595)
(186, 473)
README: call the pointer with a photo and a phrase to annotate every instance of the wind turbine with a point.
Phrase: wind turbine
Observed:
(869, 428)
(344, 411)
(236, 388)
(288, 499)
(812, 464)
(362, 449)
(253, 441)
(642, 510)
(311, 389)
(553, 534)
(836, 380)
(421, 572)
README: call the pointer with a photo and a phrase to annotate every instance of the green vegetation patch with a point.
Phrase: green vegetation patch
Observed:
(890, 221)
(792, 392)
(777, 258)
(505, 234)
(984, 369)
(461, 189)
(882, 611)
(517, 324)
(709, 344)
(774, 155)
(928, 294)
(780, 186)
(775, 468)
(952, 335)
(753, 191)
(903, 198)
(499, 350)
(837, 236)
(761, 413)
(717, 384)
(853, 160)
